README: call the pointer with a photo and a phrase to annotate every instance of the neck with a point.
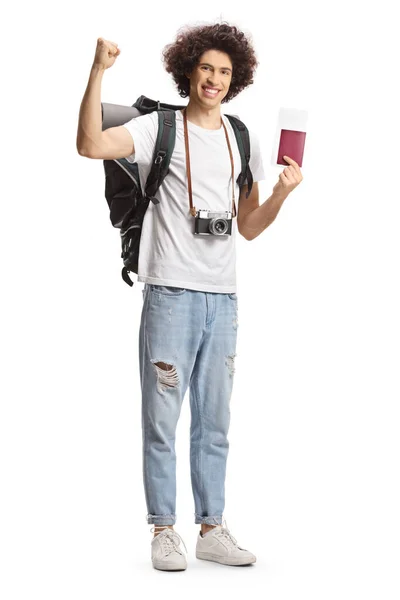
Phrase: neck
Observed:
(204, 116)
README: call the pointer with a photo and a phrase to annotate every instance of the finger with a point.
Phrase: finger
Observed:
(293, 171)
(292, 163)
(283, 178)
(290, 177)
(290, 171)
(296, 173)
(290, 160)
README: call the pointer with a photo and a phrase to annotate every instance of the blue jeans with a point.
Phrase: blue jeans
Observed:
(186, 338)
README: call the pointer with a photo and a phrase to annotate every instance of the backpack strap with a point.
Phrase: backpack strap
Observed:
(147, 105)
(163, 150)
(243, 142)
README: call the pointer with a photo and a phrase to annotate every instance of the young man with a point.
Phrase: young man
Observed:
(189, 320)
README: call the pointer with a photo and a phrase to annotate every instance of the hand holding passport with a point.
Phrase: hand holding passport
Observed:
(290, 136)
(289, 179)
(289, 148)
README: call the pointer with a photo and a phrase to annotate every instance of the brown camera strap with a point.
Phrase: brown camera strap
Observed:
(189, 178)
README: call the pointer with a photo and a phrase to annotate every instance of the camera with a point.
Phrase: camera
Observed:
(207, 222)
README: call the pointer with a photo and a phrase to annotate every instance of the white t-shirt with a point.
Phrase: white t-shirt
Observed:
(170, 253)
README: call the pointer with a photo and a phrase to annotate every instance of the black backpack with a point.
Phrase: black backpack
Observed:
(123, 192)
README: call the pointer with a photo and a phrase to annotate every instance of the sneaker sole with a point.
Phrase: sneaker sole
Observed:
(165, 566)
(224, 560)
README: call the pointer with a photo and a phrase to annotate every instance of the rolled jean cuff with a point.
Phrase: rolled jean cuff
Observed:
(216, 520)
(161, 519)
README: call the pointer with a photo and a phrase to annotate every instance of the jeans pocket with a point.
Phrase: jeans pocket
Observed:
(168, 290)
(232, 296)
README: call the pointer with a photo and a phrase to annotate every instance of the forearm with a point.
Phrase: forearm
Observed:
(261, 217)
(90, 118)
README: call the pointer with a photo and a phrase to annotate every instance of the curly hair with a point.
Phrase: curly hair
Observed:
(184, 54)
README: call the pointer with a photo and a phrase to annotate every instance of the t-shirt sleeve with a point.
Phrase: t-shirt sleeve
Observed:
(144, 131)
(256, 163)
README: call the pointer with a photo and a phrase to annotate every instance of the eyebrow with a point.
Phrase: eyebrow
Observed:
(208, 65)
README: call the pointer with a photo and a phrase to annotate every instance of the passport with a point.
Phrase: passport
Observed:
(290, 136)
(291, 144)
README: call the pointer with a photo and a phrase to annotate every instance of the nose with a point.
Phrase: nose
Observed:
(212, 84)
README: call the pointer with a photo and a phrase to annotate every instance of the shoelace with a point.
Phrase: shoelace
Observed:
(223, 533)
(169, 540)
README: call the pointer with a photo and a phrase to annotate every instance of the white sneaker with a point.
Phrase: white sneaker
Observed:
(219, 545)
(165, 551)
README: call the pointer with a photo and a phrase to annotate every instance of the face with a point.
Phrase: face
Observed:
(214, 70)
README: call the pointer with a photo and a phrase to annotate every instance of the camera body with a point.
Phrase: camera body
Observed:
(209, 222)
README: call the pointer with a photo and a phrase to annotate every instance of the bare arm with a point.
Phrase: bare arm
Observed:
(257, 218)
(254, 218)
(91, 141)
(90, 121)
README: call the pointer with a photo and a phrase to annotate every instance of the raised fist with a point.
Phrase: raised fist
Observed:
(106, 53)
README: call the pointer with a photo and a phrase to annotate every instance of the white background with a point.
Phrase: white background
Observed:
(313, 469)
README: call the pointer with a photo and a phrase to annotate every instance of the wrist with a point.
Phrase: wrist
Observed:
(97, 68)
(279, 196)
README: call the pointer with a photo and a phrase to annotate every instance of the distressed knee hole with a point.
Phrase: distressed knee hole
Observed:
(167, 375)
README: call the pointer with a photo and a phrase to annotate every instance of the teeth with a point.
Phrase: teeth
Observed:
(211, 91)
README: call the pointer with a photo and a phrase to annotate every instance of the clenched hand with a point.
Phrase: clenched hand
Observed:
(106, 54)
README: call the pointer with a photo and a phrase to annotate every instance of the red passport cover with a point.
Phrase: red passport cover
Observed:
(291, 144)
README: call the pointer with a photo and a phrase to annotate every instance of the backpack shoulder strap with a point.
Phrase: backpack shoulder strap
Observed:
(243, 141)
(146, 105)
(163, 150)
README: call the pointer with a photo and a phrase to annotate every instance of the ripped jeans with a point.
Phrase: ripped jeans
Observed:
(187, 338)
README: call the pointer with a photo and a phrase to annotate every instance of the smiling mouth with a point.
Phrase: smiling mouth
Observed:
(210, 91)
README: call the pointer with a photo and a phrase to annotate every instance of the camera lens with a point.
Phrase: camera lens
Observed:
(218, 226)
